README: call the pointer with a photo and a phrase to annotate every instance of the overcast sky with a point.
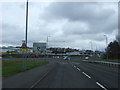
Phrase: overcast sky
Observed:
(69, 24)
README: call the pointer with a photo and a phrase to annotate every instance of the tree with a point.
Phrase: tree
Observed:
(113, 50)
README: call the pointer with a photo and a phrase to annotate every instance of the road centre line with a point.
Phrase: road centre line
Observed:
(86, 75)
(75, 66)
(78, 69)
(101, 85)
(39, 80)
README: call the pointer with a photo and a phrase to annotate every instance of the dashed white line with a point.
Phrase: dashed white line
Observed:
(78, 69)
(86, 75)
(75, 66)
(101, 85)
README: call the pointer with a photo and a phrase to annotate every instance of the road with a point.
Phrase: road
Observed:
(71, 74)
(65, 75)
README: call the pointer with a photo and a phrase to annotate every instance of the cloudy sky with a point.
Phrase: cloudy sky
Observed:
(69, 24)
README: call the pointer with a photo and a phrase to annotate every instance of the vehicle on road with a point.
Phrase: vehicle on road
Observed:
(86, 58)
(66, 58)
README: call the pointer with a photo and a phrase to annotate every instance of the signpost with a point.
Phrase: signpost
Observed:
(39, 48)
(24, 50)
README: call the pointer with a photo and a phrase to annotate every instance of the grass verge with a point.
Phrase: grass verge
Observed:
(10, 67)
(109, 60)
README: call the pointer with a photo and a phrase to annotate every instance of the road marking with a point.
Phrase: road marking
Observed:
(39, 80)
(86, 75)
(78, 69)
(75, 66)
(101, 85)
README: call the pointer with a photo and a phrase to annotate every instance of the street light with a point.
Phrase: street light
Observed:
(91, 45)
(26, 22)
(47, 47)
(47, 40)
(24, 62)
(106, 43)
(106, 39)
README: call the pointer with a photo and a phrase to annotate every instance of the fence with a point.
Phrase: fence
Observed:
(110, 64)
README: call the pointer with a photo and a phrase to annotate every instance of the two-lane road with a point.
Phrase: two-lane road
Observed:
(65, 75)
(69, 74)
(105, 75)
(60, 73)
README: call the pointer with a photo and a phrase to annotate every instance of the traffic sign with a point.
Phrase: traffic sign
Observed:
(23, 50)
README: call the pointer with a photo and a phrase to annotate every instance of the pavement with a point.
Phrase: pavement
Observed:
(65, 74)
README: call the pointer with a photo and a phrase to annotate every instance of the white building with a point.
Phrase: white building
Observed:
(73, 53)
(39, 47)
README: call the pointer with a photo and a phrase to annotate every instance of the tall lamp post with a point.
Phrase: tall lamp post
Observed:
(106, 44)
(26, 22)
(24, 61)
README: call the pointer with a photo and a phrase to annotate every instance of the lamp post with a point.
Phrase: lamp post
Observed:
(64, 46)
(47, 46)
(26, 22)
(24, 61)
(47, 40)
(106, 38)
(91, 45)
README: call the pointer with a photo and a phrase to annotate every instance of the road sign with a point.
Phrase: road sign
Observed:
(23, 50)
(38, 47)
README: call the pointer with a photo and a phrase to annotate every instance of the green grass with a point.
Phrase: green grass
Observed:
(10, 67)
(110, 60)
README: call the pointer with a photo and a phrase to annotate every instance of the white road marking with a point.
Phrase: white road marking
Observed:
(75, 66)
(78, 69)
(86, 75)
(101, 85)
(39, 80)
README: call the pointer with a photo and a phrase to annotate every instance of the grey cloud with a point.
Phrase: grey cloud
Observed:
(98, 19)
(76, 28)
(75, 23)
(12, 34)
(77, 11)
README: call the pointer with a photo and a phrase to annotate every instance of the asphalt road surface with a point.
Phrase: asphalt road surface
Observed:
(70, 74)
(73, 74)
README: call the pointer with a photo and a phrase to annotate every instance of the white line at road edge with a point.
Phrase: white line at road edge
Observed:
(78, 69)
(101, 85)
(39, 80)
(86, 75)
